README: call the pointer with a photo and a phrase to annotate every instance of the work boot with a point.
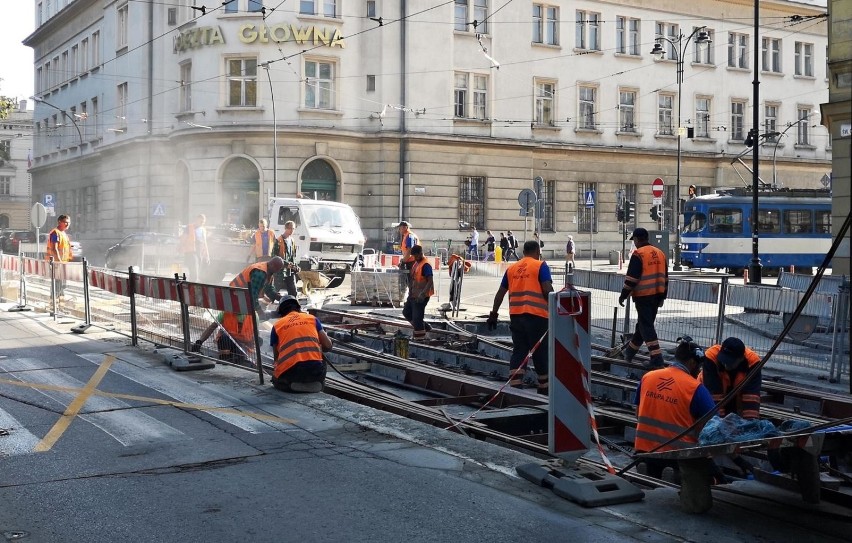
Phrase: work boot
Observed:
(628, 353)
(656, 362)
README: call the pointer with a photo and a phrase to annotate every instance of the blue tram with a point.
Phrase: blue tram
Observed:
(794, 229)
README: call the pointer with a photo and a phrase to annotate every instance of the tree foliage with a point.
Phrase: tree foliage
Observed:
(6, 105)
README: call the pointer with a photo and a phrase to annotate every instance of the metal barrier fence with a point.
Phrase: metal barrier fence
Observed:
(165, 311)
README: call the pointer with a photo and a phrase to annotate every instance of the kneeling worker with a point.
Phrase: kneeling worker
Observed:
(669, 401)
(235, 340)
(725, 367)
(298, 342)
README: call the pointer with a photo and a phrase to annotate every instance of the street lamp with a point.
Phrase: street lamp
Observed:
(65, 114)
(265, 66)
(680, 43)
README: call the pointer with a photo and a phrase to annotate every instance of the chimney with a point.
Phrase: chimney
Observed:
(22, 106)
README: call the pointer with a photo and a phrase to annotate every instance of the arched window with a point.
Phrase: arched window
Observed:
(241, 193)
(319, 181)
(4, 221)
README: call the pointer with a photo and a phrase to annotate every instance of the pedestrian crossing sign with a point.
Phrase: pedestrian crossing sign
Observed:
(158, 210)
(590, 198)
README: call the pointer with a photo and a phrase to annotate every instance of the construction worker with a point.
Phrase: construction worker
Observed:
(669, 401)
(647, 281)
(235, 340)
(298, 342)
(528, 283)
(258, 279)
(263, 240)
(725, 366)
(193, 245)
(420, 287)
(59, 248)
(285, 247)
(407, 240)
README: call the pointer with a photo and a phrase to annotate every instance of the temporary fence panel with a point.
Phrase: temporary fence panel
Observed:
(109, 299)
(10, 278)
(157, 310)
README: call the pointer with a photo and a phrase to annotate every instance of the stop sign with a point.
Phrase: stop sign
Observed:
(657, 187)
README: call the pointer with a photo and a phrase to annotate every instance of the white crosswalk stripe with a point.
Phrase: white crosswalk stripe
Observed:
(16, 439)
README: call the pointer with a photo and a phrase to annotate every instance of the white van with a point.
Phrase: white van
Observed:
(326, 231)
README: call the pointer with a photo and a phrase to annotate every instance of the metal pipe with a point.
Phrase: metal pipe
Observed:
(755, 267)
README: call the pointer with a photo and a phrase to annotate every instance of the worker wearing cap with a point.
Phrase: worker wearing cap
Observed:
(528, 283)
(420, 288)
(725, 367)
(407, 240)
(669, 401)
(298, 342)
(647, 281)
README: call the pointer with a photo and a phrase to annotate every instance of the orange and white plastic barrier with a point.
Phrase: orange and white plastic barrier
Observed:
(234, 300)
(116, 284)
(389, 261)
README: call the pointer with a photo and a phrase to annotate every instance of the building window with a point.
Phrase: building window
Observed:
(84, 55)
(371, 8)
(242, 82)
(468, 11)
(96, 49)
(548, 199)
(39, 80)
(231, 7)
(587, 217)
(804, 59)
(467, 104)
(326, 8)
(545, 24)
(665, 107)
(803, 136)
(319, 84)
(627, 111)
(39, 15)
(588, 30)
(73, 66)
(95, 113)
(5, 185)
(771, 55)
(186, 86)
(737, 50)
(121, 27)
(121, 107)
(371, 83)
(737, 120)
(770, 122)
(627, 36)
(471, 203)
(588, 107)
(702, 117)
(63, 68)
(255, 6)
(6, 149)
(670, 31)
(544, 102)
(703, 52)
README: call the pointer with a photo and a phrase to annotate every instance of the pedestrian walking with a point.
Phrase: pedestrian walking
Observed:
(490, 245)
(473, 248)
(513, 247)
(285, 248)
(504, 246)
(421, 287)
(647, 281)
(570, 249)
(528, 283)
(263, 240)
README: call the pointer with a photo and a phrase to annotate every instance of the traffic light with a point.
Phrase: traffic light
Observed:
(655, 213)
(619, 214)
(629, 211)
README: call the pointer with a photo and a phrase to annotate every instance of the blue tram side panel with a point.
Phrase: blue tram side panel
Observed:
(794, 229)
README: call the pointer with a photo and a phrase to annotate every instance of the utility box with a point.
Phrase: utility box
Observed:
(614, 257)
(660, 240)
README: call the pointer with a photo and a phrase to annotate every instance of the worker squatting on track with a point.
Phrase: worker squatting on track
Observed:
(298, 342)
(528, 283)
(725, 366)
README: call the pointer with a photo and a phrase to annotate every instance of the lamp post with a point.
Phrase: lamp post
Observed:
(265, 66)
(680, 44)
(64, 114)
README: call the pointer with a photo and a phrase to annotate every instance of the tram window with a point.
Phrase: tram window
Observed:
(769, 221)
(696, 223)
(726, 221)
(798, 221)
(823, 222)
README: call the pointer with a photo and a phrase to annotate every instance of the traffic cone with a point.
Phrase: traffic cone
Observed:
(745, 276)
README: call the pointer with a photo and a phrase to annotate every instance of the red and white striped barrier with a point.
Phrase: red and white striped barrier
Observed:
(111, 283)
(569, 355)
(10, 263)
(36, 266)
(392, 261)
(234, 300)
(67, 271)
(159, 288)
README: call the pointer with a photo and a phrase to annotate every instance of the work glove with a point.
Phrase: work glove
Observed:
(492, 321)
(196, 347)
(621, 300)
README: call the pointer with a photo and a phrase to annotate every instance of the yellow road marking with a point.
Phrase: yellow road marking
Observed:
(158, 401)
(74, 407)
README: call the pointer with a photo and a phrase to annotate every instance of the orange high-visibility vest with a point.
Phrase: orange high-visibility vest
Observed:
(654, 278)
(258, 242)
(298, 341)
(664, 410)
(62, 248)
(525, 294)
(418, 280)
(187, 240)
(242, 332)
(244, 278)
(747, 404)
(414, 241)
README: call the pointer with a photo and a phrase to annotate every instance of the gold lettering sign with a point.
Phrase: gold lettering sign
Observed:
(197, 37)
(280, 33)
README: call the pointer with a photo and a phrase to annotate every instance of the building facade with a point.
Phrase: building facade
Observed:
(149, 113)
(16, 144)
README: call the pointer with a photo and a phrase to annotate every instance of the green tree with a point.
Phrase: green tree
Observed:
(6, 105)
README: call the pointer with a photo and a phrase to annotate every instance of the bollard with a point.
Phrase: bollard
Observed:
(745, 276)
(792, 268)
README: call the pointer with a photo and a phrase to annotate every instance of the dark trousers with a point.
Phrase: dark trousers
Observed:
(646, 314)
(414, 312)
(526, 330)
(508, 253)
(286, 282)
(303, 372)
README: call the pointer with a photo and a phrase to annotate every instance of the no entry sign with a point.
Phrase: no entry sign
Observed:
(657, 188)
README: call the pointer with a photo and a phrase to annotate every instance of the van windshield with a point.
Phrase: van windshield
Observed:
(330, 217)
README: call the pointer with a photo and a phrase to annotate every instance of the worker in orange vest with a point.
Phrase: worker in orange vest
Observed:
(193, 245)
(235, 340)
(407, 240)
(528, 283)
(725, 367)
(420, 288)
(298, 342)
(263, 240)
(669, 401)
(647, 281)
(258, 279)
(59, 248)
